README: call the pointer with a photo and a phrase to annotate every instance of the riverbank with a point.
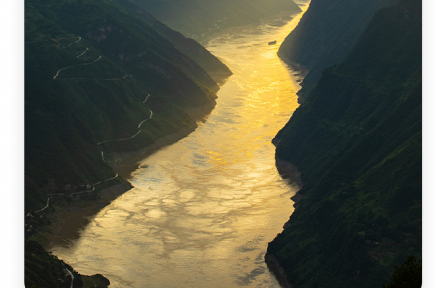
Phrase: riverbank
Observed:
(289, 171)
(70, 217)
(274, 20)
(67, 220)
(200, 202)
(278, 271)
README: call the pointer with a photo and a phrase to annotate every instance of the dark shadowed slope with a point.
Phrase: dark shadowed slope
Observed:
(96, 72)
(198, 19)
(358, 144)
(187, 46)
(326, 34)
(98, 79)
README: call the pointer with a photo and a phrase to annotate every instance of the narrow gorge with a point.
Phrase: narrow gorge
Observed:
(155, 159)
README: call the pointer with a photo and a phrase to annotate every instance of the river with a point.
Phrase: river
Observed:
(203, 210)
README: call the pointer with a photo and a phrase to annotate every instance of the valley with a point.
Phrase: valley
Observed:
(156, 161)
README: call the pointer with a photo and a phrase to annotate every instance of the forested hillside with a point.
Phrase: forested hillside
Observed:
(101, 76)
(325, 35)
(357, 142)
(99, 79)
(198, 19)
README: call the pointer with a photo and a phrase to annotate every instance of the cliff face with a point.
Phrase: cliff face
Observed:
(357, 143)
(198, 19)
(325, 35)
(97, 71)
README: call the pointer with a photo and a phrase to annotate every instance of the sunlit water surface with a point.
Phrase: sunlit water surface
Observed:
(203, 210)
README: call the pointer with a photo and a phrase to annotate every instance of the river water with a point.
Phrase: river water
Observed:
(203, 209)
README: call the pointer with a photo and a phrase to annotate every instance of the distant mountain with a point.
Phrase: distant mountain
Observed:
(97, 71)
(198, 19)
(187, 46)
(357, 142)
(325, 35)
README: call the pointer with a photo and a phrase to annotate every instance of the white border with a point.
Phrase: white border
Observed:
(433, 143)
(12, 128)
(12, 143)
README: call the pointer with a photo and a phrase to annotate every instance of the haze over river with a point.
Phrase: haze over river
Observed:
(203, 209)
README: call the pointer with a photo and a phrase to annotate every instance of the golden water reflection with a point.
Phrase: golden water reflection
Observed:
(203, 210)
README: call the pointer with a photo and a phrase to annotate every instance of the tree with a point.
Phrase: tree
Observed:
(408, 275)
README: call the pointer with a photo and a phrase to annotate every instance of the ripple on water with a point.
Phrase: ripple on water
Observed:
(203, 209)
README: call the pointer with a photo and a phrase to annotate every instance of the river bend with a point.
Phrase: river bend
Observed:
(203, 209)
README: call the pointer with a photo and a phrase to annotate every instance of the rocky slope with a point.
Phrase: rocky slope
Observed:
(357, 142)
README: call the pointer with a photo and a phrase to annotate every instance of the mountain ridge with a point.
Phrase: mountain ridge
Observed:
(357, 142)
(325, 35)
(98, 79)
(200, 19)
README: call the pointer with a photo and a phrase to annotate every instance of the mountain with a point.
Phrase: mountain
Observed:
(100, 79)
(216, 69)
(45, 270)
(356, 145)
(325, 35)
(199, 19)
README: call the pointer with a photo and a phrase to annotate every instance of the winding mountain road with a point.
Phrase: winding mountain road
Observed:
(109, 179)
(72, 276)
(47, 204)
(151, 114)
(57, 74)
(82, 53)
(80, 38)
(81, 192)
(124, 139)
(146, 98)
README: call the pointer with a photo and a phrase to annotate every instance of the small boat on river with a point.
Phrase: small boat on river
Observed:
(272, 42)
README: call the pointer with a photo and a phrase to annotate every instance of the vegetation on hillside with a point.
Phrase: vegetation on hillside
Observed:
(45, 270)
(198, 19)
(99, 78)
(94, 71)
(325, 35)
(187, 46)
(357, 142)
(407, 275)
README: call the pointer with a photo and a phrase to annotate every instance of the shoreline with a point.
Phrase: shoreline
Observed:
(204, 41)
(296, 66)
(288, 170)
(126, 162)
(68, 221)
(278, 271)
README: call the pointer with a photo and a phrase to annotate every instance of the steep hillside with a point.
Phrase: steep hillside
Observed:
(325, 35)
(198, 19)
(99, 79)
(216, 69)
(45, 270)
(357, 142)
